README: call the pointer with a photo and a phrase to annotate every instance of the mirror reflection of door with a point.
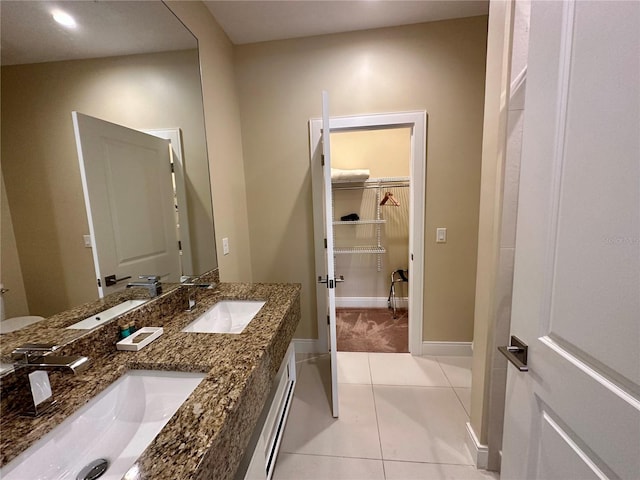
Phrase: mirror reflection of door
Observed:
(127, 184)
(174, 135)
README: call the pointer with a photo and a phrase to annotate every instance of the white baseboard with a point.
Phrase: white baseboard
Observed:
(306, 345)
(444, 349)
(479, 452)
(369, 302)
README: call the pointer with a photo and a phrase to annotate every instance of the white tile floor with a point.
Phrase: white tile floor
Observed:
(401, 418)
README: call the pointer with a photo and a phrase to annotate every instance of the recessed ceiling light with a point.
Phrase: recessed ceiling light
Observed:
(63, 18)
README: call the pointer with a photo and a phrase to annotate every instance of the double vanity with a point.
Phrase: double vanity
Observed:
(193, 404)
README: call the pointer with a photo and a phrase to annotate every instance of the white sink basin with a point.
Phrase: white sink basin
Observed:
(228, 316)
(117, 425)
(106, 315)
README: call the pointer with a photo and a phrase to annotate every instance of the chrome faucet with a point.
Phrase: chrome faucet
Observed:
(151, 283)
(193, 287)
(31, 363)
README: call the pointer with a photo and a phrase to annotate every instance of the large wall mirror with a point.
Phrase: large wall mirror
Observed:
(130, 63)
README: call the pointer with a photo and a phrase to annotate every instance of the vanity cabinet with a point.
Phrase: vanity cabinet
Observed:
(270, 427)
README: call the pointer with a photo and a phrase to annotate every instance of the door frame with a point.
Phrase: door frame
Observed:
(417, 121)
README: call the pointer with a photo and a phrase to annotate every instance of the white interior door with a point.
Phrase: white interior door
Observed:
(126, 177)
(576, 298)
(330, 278)
(180, 192)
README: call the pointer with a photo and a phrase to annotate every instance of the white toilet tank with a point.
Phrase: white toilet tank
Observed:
(15, 323)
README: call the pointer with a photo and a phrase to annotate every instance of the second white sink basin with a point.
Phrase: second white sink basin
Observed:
(106, 315)
(228, 316)
(116, 425)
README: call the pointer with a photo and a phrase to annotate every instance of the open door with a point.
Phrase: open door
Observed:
(575, 413)
(320, 143)
(128, 191)
(330, 278)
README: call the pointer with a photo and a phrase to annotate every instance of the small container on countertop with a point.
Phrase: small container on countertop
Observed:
(140, 339)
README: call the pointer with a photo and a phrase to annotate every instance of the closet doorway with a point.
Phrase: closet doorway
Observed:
(386, 237)
(370, 194)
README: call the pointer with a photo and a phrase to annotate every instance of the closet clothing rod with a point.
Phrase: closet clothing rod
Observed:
(360, 186)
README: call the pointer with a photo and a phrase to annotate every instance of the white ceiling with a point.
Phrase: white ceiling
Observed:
(259, 21)
(105, 28)
(111, 28)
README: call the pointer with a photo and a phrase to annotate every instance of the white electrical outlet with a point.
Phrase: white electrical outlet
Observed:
(441, 235)
(225, 246)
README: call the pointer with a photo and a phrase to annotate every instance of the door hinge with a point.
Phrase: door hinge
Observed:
(99, 282)
(325, 243)
(173, 167)
(412, 257)
(179, 245)
(328, 319)
(322, 159)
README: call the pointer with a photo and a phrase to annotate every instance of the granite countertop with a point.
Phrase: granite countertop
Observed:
(54, 329)
(208, 435)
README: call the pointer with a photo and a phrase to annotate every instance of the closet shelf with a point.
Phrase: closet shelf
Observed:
(360, 222)
(365, 249)
(384, 182)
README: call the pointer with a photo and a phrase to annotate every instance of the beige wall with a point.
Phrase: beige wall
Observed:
(15, 300)
(386, 153)
(40, 164)
(222, 118)
(438, 67)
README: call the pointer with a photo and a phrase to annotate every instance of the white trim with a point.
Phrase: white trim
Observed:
(479, 452)
(417, 120)
(369, 302)
(307, 345)
(447, 349)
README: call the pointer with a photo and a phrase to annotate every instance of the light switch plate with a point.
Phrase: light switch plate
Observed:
(441, 235)
(225, 246)
(87, 240)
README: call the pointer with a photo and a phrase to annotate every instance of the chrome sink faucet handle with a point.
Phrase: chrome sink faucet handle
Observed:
(151, 283)
(191, 293)
(32, 362)
(29, 351)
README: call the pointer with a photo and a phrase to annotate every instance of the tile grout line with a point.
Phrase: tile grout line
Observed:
(409, 385)
(421, 462)
(454, 388)
(324, 455)
(375, 409)
(461, 402)
(443, 372)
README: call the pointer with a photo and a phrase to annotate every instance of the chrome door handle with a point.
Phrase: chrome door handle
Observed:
(516, 353)
(331, 283)
(340, 279)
